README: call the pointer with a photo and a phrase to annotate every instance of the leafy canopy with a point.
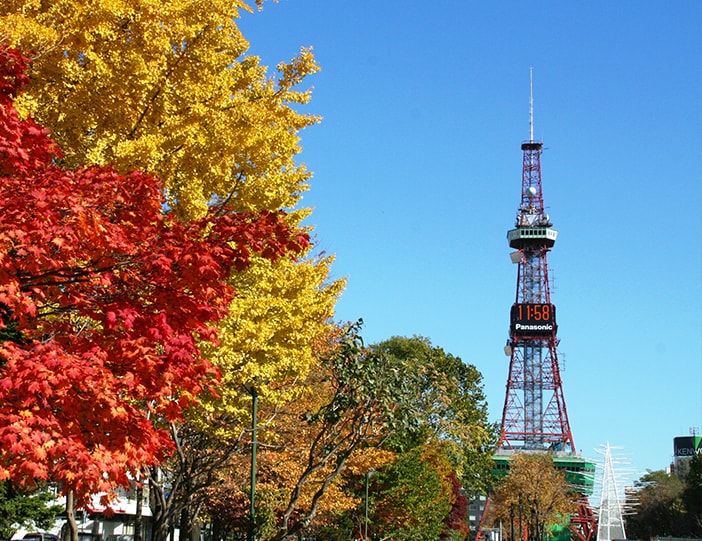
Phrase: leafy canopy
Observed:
(665, 505)
(103, 299)
(449, 407)
(164, 87)
(167, 88)
(534, 496)
(413, 496)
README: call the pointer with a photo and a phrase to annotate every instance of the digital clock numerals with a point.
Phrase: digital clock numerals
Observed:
(534, 312)
(530, 319)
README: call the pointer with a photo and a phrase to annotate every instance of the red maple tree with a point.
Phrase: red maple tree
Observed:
(104, 297)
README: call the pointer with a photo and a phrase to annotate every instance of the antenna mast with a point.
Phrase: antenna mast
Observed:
(531, 104)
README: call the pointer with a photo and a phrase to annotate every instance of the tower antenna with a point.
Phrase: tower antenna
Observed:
(531, 104)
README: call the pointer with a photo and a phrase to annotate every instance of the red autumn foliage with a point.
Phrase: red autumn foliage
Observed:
(457, 518)
(103, 299)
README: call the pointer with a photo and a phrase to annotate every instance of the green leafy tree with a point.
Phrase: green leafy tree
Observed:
(450, 408)
(692, 495)
(660, 508)
(404, 409)
(22, 509)
(448, 435)
(413, 496)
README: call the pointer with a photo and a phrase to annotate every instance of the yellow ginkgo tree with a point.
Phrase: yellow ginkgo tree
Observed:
(167, 88)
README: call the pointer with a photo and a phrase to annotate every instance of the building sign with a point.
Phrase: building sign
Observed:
(687, 446)
(533, 319)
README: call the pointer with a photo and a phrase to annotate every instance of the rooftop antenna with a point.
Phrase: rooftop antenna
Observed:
(531, 104)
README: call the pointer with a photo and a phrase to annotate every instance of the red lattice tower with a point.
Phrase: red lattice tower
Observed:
(534, 417)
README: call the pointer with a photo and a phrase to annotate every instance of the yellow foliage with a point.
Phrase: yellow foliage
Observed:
(535, 488)
(164, 87)
(267, 338)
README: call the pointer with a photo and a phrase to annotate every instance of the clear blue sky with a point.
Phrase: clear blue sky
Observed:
(418, 173)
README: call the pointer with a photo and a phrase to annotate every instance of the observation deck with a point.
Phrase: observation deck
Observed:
(529, 236)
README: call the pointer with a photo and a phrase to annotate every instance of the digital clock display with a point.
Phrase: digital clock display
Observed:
(533, 319)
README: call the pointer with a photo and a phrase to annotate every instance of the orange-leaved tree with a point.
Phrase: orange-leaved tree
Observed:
(533, 497)
(310, 449)
(104, 296)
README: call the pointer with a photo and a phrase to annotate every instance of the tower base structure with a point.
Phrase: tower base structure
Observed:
(580, 475)
(583, 525)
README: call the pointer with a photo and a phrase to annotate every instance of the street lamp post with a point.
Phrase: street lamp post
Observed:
(252, 491)
(365, 522)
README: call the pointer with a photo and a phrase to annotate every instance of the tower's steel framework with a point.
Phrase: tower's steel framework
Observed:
(534, 417)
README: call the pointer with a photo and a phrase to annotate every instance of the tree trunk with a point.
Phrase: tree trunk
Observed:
(186, 525)
(71, 524)
(216, 529)
(190, 527)
(138, 517)
(160, 525)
